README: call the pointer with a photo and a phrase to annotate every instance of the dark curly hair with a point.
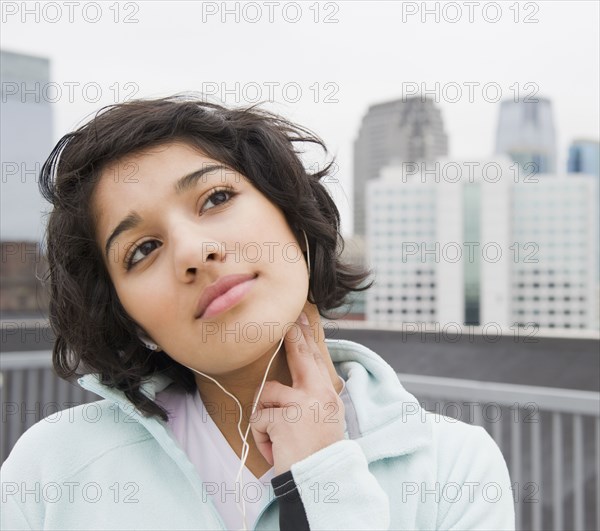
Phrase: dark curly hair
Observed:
(90, 324)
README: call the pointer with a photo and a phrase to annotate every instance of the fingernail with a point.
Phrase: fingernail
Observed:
(303, 318)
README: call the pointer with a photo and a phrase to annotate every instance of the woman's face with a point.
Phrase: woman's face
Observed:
(186, 235)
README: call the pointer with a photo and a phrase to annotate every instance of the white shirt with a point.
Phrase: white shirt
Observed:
(199, 436)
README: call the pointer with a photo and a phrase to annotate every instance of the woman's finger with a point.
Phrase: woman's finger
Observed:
(314, 348)
(301, 359)
(273, 394)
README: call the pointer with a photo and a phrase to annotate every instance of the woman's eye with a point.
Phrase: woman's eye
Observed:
(217, 198)
(130, 261)
(218, 194)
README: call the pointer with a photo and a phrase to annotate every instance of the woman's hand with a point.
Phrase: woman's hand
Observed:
(291, 423)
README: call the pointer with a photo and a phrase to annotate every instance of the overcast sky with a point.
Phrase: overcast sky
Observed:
(366, 52)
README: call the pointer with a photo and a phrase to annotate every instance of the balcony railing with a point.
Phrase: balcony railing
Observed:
(549, 437)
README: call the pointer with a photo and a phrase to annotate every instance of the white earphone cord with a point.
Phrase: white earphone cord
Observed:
(245, 445)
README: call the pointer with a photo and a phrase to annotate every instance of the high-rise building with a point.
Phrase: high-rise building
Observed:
(584, 157)
(354, 253)
(482, 249)
(25, 142)
(554, 281)
(526, 135)
(408, 129)
(413, 221)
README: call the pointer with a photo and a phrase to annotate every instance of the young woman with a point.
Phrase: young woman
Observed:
(191, 257)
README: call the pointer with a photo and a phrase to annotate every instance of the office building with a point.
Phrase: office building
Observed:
(482, 250)
(408, 129)
(25, 143)
(584, 157)
(526, 134)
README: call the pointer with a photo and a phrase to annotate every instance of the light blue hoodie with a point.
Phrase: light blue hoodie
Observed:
(105, 466)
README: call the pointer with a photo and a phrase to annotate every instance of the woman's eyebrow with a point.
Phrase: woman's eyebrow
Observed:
(133, 219)
(189, 181)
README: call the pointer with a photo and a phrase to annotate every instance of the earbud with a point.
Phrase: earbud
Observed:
(148, 343)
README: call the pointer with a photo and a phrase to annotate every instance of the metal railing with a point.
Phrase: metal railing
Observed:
(549, 437)
(542, 434)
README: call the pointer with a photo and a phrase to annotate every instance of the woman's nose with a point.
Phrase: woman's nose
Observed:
(194, 251)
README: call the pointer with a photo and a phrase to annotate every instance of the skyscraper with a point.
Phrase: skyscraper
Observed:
(584, 157)
(404, 130)
(526, 134)
(25, 142)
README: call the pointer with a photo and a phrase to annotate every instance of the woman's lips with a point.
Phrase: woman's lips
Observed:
(228, 299)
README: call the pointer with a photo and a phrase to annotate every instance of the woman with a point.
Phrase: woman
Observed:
(191, 257)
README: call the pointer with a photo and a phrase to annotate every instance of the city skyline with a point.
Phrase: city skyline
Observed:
(15, 95)
(365, 73)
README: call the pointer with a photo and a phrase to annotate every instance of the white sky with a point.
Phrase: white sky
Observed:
(367, 55)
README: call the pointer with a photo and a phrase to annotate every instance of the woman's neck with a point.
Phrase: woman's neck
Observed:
(245, 382)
